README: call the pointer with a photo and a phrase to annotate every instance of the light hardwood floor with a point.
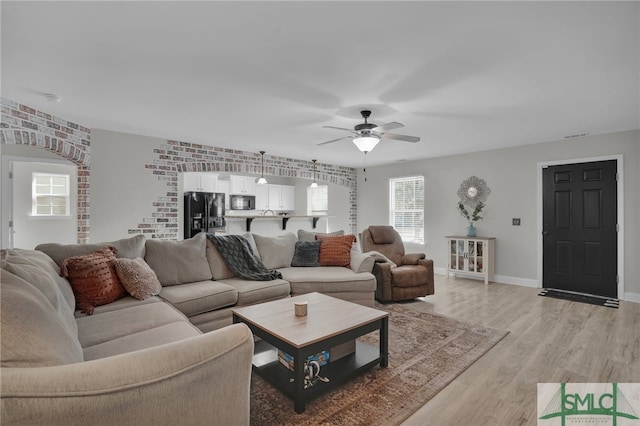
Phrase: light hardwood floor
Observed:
(549, 340)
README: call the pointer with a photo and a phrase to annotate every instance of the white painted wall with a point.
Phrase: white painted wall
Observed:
(512, 176)
(29, 231)
(122, 190)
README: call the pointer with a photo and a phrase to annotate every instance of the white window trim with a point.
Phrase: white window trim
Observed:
(392, 209)
(34, 196)
(310, 201)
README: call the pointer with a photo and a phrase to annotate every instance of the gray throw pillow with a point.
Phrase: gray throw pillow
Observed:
(307, 253)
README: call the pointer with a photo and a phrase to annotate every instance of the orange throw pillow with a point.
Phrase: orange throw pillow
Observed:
(93, 278)
(336, 251)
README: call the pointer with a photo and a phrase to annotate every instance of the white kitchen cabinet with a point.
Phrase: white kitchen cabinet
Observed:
(275, 197)
(281, 197)
(473, 256)
(243, 185)
(199, 181)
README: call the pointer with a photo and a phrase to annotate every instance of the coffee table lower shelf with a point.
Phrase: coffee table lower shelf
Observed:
(266, 364)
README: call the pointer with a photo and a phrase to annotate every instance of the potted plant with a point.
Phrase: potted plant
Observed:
(472, 217)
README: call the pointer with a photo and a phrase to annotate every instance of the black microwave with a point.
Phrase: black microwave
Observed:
(242, 202)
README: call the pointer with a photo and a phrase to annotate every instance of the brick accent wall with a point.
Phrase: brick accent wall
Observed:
(24, 125)
(176, 157)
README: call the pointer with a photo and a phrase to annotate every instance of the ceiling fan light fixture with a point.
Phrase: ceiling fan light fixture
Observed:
(262, 180)
(366, 143)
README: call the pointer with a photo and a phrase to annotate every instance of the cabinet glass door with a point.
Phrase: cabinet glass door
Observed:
(471, 254)
(479, 257)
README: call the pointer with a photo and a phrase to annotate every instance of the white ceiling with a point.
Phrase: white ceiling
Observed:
(464, 76)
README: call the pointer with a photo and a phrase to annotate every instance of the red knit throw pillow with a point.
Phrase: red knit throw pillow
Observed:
(93, 278)
(336, 251)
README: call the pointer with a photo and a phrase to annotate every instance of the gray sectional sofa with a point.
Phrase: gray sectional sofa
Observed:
(174, 358)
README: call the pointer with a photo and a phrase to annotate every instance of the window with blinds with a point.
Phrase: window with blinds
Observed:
(406, 201)
(50, 195)
(318, 200)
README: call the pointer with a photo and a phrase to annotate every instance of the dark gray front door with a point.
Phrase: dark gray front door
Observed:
(580, 228)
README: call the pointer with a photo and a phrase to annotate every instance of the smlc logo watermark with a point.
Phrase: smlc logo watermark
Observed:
(574, 404)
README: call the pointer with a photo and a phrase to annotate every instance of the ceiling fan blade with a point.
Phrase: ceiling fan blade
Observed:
(339, 128)
(404, 138)
(335, 140)
(388, 126)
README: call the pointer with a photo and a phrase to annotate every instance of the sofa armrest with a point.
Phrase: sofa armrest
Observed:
(194, 381)
(412, 258)
(361, 262)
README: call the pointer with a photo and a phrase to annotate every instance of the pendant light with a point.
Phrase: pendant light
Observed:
(262, 180)
(314, 184)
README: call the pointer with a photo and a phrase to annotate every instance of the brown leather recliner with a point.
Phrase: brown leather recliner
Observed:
(413, 275)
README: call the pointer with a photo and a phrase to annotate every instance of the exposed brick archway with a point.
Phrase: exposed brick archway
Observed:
(22, 125)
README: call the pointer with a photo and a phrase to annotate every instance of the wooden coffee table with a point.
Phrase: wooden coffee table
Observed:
(329, 322)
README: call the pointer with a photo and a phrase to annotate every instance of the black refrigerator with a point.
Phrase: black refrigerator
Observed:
(203, 211)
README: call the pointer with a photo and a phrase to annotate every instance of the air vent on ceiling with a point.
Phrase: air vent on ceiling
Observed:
(576, 136)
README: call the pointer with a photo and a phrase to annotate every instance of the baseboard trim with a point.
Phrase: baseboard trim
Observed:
(631, 297)
(524, 282)
(527, 282)
(503, 279)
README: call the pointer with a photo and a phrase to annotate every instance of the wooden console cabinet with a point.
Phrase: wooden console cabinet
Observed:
(472, 256)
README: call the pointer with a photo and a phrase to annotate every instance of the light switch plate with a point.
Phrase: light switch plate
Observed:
(515, 221)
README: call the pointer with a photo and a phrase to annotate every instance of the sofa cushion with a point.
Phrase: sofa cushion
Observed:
(196, 298)
(311, 236)
(251, 292)
(53, 269)
(179, 262)
(43, 277)
(383, 234)
(276, 252)
(127, 247)
(93, 278)
(122, 303)
(161, 335)
(307, 253)
(409, 276)
(336, 251)
(106, 326)
(219, 268)
(32, 333)
(327, 279)
(137, 278)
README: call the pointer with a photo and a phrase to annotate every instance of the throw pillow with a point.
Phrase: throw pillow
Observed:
(137, 278)
(93, 278)
(311, 236)
(336, 251)
(307, 253)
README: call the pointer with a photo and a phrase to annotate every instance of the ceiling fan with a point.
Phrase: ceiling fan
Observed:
(367, 135)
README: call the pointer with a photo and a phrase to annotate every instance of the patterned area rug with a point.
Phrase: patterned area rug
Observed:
(426, 352)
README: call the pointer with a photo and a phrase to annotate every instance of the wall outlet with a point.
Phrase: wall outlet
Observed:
(515, 221)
